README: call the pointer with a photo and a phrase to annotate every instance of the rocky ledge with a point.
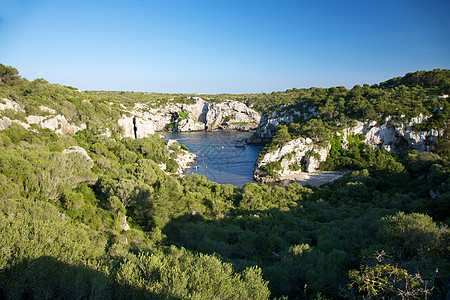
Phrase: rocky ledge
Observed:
(54, 122)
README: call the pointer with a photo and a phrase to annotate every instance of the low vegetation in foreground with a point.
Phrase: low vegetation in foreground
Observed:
(112, 225)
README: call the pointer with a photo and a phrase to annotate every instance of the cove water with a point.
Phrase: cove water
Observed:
(218, 158)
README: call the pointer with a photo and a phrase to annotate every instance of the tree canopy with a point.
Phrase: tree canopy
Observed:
(379, 231)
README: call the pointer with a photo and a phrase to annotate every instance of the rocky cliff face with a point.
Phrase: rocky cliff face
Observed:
(54, 122)
(299, 155)
(201, 115)
(186, 125)
(144, 123)
(302, 155)
(399, 137)
(269, 122)
(184, 158)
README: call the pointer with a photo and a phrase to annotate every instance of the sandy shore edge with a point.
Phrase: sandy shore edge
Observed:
(313, 179)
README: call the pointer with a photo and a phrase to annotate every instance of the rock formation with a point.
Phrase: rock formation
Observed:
(185, 125)
(184, 158)
(57, 123)
(77, 149)
(294, 157)
(126, 125)
(302, 155)
(399, 137)
(124, 224)
(201, 115)
(6, 122)
(9, 104)
(269, 122)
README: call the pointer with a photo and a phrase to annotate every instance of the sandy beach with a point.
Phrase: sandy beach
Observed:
(313, 179)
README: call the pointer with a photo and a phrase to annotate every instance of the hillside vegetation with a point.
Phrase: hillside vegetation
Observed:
(323, 115)
(112, 225)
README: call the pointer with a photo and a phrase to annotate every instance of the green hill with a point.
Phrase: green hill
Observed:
(108, 223)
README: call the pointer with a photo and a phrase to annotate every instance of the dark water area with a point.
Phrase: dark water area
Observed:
(218, 158)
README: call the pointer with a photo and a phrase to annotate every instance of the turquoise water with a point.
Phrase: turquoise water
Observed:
(217, 156)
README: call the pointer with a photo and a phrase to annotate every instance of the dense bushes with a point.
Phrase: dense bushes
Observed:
(62, 215)
(46, 255)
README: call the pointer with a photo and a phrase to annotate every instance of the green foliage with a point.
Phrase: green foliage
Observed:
(412, 235)
(357, 156)
(36, 228)
(416, 245)
(55, 258)
(294, 167)
(282, 136)
(181, 274)
(385, 280)
(8, 75)
(183, 115)
(318, 112)
(42, 173)
(61, 215)
(272, 169)
(426, 79)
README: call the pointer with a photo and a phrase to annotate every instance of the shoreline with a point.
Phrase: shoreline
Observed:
(312, 179)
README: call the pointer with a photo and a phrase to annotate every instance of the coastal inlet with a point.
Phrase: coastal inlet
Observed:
(220, 155)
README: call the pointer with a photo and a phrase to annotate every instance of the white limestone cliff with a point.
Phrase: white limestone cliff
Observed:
(184, 158)
(397, 138)
(57, 123)
(201, 115)
(9, 104)
(269, 122)
(298, 155)
(187, 125)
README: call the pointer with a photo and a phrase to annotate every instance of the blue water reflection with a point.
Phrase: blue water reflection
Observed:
(218, 157)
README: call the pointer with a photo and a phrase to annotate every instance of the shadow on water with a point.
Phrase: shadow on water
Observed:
(48, 278)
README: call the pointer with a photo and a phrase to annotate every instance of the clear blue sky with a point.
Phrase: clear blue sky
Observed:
(222, 46)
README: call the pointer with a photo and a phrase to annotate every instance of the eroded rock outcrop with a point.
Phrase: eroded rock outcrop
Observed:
(230, 112)
(6, 122)
(388, 135)
(126, 125)
(298, 155)
(186, 125)
(399, 137)
(269, 122)
(184, 158)
(77, 149)
(57, 123)
(9, 104)
(124, 224)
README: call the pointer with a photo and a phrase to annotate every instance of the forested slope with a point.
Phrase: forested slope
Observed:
(399, 115)
(380, 230)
